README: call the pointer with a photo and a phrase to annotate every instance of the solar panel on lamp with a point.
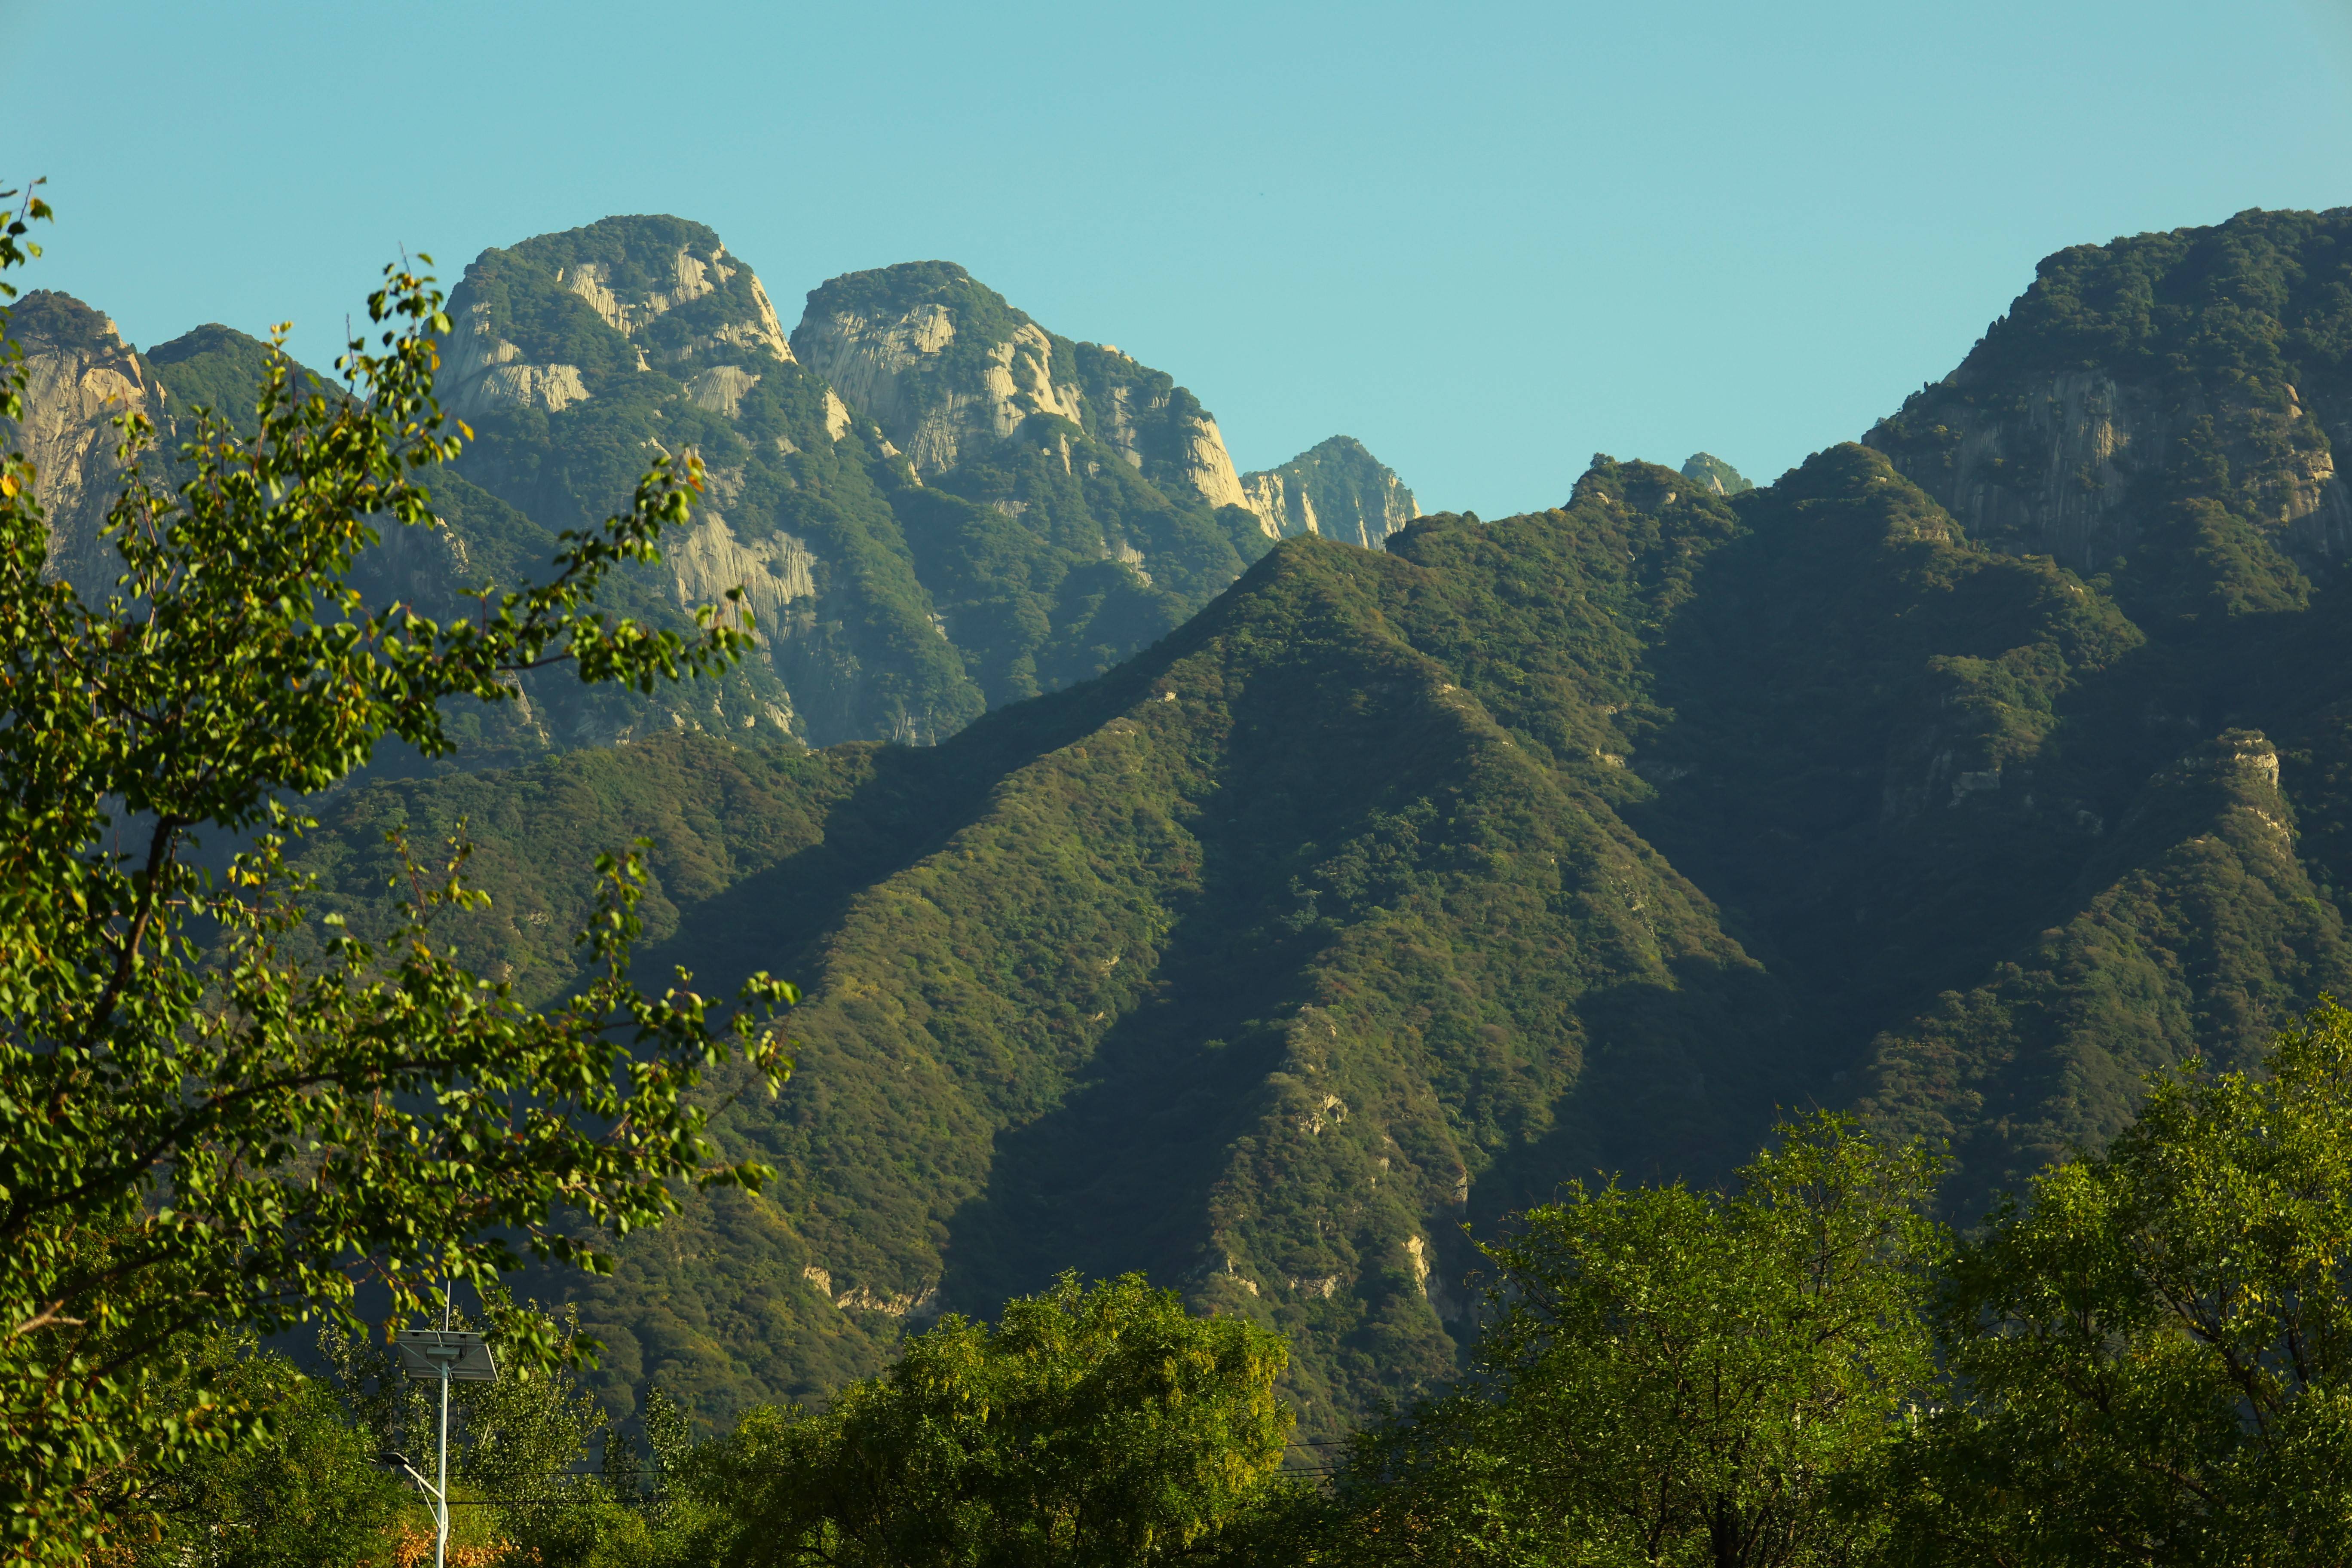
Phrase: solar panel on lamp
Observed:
(424, 1352)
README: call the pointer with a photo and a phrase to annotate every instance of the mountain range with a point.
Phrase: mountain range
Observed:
(932, 504)
(1283, 881)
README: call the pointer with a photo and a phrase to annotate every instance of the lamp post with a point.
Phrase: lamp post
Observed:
(443, 1356)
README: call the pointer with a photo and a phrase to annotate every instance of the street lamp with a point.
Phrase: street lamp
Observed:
(444, 1356)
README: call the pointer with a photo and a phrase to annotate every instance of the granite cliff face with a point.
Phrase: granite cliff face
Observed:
(932, 505)
(941, 362)
(2072, 463)
(1336, 490)
(667, 288)
(80, 377)
(900, 367)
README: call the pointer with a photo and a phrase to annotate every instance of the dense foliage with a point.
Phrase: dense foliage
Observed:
(2153, 1347)
(2141, 1361)
(1672, 1376)
(1087, 1426)
(301, 1487)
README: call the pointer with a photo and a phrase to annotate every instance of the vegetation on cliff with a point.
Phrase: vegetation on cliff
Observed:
(1716, 474)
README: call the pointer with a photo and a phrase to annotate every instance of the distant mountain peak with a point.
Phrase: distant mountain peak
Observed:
(1716, 474)
(1335, 489)
(210, 338)
(62, 322)
(945, 364)
(665, 287)
(79, 376)
(2118, 421)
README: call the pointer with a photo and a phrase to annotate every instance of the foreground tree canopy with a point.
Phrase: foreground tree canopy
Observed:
(1098, 1426)
(2142, 1360)
(2139, 1361)
(1672, 1376)
(216, 1114)
(1101, 1426)
(2151, 1350)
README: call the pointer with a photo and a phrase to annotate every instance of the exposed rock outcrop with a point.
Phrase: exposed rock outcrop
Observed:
(666, 286)
(2052, 465)
(481, 372)
(774, 572)
(1337, 489)
(1208, 468)
(80, 377)
(651, 316)
(2082, 423)
(720, 388)
(891, 366)
(2047, 470)
(946, 367)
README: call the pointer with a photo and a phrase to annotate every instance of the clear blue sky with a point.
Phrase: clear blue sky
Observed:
(1488, 240)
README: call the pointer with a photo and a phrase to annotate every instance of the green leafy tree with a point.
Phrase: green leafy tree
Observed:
(304, 1491)
(670, 1435)
(1672, 1376)
(217, 1113)
(2152, 1349)
(1091, 1426)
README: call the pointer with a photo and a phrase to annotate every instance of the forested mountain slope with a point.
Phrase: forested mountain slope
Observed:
(2160, 414)
(1246, 964)
(1393, 889)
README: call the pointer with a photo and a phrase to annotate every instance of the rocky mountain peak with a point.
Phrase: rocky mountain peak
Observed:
(1720, 477)
(1337, 489)
(664, 289)
(945, 365)
(936, 358)
(2114, 421)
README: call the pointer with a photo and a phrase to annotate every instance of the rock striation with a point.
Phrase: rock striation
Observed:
(1337, 489)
